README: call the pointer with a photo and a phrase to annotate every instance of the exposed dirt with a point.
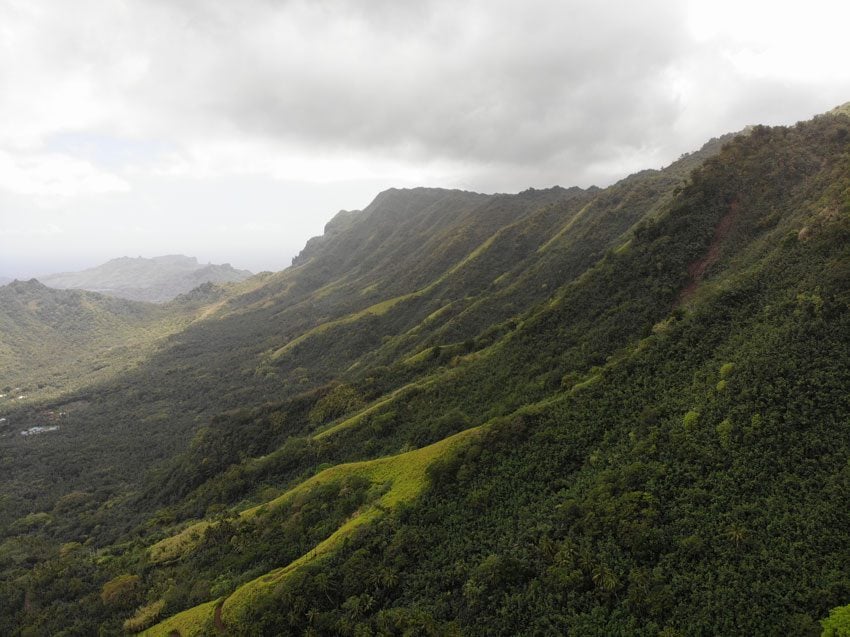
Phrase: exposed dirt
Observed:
(697, 269)
(219, 625)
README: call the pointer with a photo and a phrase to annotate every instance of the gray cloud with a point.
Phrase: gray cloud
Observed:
(504, 82)
(114, 112)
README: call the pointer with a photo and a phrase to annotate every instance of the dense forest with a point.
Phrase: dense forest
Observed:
(618, 411)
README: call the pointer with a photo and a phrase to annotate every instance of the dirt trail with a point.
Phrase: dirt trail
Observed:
(697, 269)
(219, 624)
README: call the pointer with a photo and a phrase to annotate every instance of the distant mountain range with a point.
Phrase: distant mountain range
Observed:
(4, 280)
(155, 280)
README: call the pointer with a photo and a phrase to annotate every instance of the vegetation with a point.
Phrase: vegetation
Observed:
(593, 412)
(838, 622)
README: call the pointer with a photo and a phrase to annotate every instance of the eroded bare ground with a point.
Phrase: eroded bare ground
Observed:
(698, 268)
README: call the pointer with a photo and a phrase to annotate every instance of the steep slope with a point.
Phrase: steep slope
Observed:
(688, 480)
(154, 280)
(650, 440)
(309, 325)
(303, 324)
(222, 362)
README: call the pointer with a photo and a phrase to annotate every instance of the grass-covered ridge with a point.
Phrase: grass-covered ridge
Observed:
(398, 480)
(662, 390)
(373, 310)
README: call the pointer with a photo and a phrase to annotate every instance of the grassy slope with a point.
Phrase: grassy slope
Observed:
(402, 478)
(55, 341)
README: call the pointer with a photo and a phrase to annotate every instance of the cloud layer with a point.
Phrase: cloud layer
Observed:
(99, 99)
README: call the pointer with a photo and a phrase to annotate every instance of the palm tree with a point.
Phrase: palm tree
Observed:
(737, 534)
(604, 578)
(312, 615)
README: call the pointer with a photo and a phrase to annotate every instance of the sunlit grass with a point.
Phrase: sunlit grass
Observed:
(403, 478)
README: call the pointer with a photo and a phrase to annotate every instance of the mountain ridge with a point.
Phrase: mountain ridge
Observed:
(479, 414)
(157, 280)
(702, 208)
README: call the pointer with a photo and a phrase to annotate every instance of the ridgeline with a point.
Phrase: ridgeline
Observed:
(565, 411)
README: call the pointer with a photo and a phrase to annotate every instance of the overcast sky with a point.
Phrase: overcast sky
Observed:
(233, 130)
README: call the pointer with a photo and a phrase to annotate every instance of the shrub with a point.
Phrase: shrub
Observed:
(121, 591)
(690, 420)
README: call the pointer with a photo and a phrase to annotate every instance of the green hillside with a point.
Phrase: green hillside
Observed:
(616, 411)
(51, 340)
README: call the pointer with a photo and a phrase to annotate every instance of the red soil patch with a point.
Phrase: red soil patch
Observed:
(697, 269)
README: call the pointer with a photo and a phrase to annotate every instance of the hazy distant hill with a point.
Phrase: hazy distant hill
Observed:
(156, 280)
(4, 280)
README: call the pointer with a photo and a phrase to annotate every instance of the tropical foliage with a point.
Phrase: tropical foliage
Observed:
(592, 412)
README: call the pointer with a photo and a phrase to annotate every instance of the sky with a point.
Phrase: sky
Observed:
(233, 130)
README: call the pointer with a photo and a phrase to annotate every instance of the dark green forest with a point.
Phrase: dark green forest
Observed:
(618, 411)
